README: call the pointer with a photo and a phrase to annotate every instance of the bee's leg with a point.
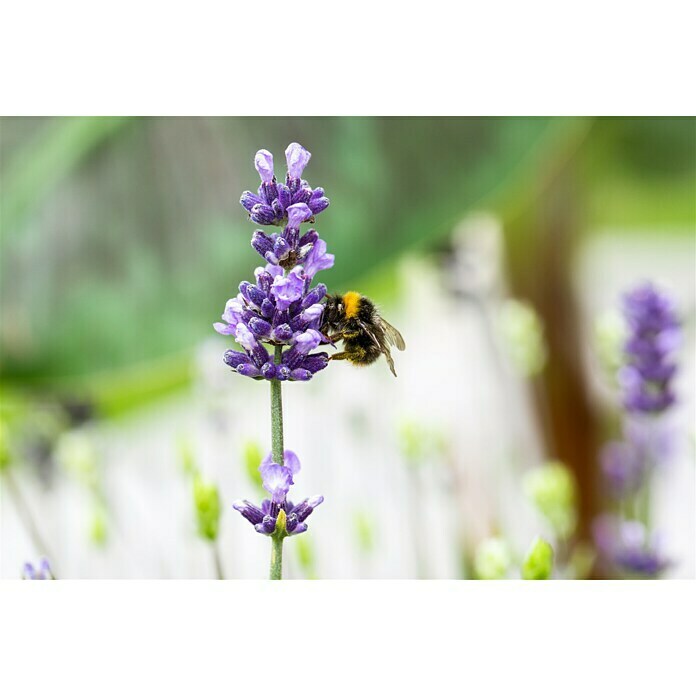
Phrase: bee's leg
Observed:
(343, 355)
(342, 336)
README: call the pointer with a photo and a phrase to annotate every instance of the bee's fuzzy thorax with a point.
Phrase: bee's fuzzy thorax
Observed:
(351, 302)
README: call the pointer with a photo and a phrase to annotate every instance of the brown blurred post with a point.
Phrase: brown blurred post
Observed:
(543, 242)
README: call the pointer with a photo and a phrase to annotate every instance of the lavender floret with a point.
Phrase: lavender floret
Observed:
(277, 480)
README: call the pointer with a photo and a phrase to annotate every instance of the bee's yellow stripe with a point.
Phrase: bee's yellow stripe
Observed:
(350, 302)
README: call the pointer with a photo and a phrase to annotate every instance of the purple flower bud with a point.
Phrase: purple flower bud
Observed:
(249, 511)
(284, 196)
(261, 242)
(270, 192)
(318, 205)
(263, 161)
(315, 295)
(315, 362)
(248, 370)
(267, 308)
(260, 327)
(297, 214)
(297, 158)
(282, 333)
(302, 196)
(234, 358)
(309, 318)
(317, 193)
(249, 200)
(262, 214)
(287, 289)
(282, 372)
(281, 248)
(307, 341)
(299, 374)
(308, 237)
(255, 295)
(268, 370)
(264, 280)
(267, 526)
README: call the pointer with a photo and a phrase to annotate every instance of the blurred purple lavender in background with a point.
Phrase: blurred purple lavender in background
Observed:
(42, 572)
(625, 541)
(654, 337)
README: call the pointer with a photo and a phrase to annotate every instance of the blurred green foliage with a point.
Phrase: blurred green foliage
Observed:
(206, 499)
(492, 560)
(122, 238)
(251, 457)
(552, 490)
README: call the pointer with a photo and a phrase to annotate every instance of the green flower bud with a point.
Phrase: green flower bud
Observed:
(419, 442)
(492, 559)
(281, 529)
(538, 563)
(551, 488)
(364, 531)
(207, 503)
(98, 531)
(523, 333)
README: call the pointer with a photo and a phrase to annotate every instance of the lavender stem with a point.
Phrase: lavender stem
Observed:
(278, 455)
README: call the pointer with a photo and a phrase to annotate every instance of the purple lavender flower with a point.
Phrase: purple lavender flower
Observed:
(272, 203)
(623, 468)
(281, 308)
(627, 547)
(43, 572)
(277, 480)
(654, 336)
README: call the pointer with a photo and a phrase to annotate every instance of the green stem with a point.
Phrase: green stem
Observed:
(276, 557)
(277, 414)
(219, 573)
(277, 451)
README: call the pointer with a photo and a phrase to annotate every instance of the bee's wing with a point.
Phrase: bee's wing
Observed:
(392, 335)
(381, 339)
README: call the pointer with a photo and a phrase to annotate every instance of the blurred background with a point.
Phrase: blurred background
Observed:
(500, 247)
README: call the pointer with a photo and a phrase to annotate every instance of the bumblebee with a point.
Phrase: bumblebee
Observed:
(354, 319)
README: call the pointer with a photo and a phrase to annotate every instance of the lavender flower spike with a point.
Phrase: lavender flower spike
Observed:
(277, 480)
(654, 337)
(43, 572)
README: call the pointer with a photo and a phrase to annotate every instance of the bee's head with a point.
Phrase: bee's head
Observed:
(334, 310)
